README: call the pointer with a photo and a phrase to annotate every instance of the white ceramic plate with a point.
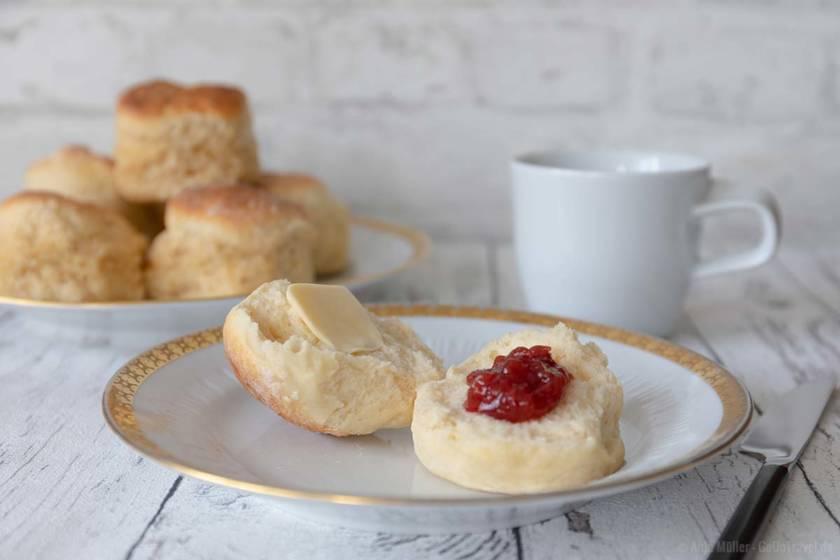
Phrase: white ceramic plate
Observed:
(378, 250)
(180, 405)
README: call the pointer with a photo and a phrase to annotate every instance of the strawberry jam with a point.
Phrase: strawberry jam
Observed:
(524, 385)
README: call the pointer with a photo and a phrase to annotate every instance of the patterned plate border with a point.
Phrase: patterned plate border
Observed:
(118, 405)
(419, 242)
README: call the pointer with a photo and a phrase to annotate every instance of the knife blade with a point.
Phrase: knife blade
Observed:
(778, 437)
(781, 434)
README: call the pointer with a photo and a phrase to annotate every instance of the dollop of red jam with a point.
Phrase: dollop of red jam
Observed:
(524, 385)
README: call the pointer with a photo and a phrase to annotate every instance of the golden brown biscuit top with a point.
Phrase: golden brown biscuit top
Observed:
(49, 198)
(159, 97)
(89, 217)
(74, 153)
(285, 182)
(52, 222)
(240, 205)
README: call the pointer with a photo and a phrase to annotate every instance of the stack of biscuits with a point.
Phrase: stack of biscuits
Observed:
(182, 211)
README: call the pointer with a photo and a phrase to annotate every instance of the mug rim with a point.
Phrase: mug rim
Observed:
(691, 163)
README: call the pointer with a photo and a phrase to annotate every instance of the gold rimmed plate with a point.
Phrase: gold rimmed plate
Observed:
(180, 405)
(378, 250)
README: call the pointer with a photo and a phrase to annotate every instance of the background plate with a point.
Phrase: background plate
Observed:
(378, 250)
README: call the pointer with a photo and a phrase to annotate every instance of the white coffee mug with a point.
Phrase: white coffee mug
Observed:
(612, 236)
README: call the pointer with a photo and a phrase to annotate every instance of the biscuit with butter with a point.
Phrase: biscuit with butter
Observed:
(575, 442)
(320, 360)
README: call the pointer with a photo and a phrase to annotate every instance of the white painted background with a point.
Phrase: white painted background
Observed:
(410, 109)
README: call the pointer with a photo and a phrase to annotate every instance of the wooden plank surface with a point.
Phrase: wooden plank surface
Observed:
(770, 330)
(67, 484)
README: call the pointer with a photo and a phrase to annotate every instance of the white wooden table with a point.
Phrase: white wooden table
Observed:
(69, 489)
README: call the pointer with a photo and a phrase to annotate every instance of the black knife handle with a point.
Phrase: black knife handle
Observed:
(739, 537)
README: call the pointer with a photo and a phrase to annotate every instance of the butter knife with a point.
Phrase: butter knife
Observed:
(778, 438)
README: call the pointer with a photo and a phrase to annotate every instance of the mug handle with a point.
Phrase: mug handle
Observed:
(764, 205)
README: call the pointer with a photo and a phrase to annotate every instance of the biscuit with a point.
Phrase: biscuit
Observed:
(57, 249)
(330, 218)
(227, 240)
(576, 442)
(78, 173)
(172, 137)
(282, 363)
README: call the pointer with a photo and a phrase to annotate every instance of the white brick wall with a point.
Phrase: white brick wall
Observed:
(737, 74)
(411, 109)
(386, 58)
(544, 64)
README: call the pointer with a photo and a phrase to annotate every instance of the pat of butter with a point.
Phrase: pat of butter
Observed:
(335, 316)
